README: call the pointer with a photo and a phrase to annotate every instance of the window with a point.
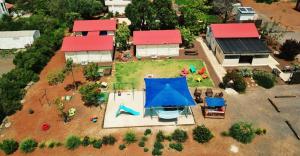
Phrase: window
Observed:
(232, 56)
(246, 59)
(84, 33)
(103, 33)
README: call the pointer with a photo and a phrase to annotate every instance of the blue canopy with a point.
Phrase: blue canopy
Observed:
(214, 102)
(167, 92)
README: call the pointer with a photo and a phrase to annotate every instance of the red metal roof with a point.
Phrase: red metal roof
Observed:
(234, 30)
(87, 43)
(154, 37)
(9, 6)
(94, 25)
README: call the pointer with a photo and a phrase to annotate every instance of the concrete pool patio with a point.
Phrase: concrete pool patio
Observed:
(135, 100)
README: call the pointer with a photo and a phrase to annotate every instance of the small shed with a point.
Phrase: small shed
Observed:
(245, 14)
(88, 49)
(18, 39)
(157, 43)
(94, 27)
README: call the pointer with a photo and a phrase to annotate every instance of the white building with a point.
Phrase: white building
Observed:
(245, 14)
(94, 27)
(117, 5)
(157, 43)
(17, 39)
(87, 49)
(237, 44)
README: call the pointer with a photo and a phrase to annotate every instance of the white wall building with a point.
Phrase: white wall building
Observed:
(237, 44)
(17, 39)
(88, 49)
(245, 14)
(157, 43)
(117, 5)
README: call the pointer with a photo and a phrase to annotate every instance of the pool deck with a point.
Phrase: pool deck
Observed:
(135, 101)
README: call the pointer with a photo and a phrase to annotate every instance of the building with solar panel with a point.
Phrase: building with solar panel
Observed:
(245, 14)
(237, 44)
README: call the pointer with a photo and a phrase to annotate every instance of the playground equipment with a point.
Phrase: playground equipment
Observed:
(71, 112)
(45, 127)
(94, 119)
(184, 72)
(202, 71)
(192, 69)
(128, 110)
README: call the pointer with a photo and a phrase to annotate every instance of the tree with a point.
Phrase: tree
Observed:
(122, 36)
(165, 14)
(141, 14)
(9, 146)
(289, 49)
(91, 72)
(223, 7)
(90, 94)
(187, 36)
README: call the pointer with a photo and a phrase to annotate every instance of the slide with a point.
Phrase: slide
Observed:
(128, 110)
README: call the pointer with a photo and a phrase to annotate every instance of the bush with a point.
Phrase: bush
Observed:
(246, 72)
(289, 49)
(179, 135)
(144, 139)
(97, 143)
(239, 83)
(258, 131)
(142, 144)
(86, 141)
(187, 37)
(109, 140)
(147, 132)
(42, 145)
(266, 1)
(28, 145)
(158, 145)
(90, 94)
(56, 78)
(176, 146)
(122, 146)
(160, 136)
(130, 137)
(91, 72)
(156, 151)
(9, 146)
(264, 79)
(242, 132)
(202, 134)
(146, 149)
(73, 142)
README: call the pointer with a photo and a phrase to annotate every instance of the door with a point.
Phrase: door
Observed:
(246, 59)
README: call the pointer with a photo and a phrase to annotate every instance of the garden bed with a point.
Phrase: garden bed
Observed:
(135, 72)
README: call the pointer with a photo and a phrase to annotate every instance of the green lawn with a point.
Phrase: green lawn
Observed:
(135, 72)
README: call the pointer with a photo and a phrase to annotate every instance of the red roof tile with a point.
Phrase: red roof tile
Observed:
(234, 30)
(87, 43)
(154, 37)
(94, 25)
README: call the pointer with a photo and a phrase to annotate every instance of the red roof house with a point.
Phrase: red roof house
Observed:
(94, 25)
(234, 30)
(88, 48)
(157, 43)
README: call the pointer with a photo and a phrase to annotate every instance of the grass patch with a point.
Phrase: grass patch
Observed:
(133, 73)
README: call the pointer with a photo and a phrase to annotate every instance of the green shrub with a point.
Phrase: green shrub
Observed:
(42, 145)
(142, 144)
(51, 144)
(130, 137)
(91, 72)
(264, 79)
(28, 145)
(73, 142)
(56, 78)
(246, 72)
(144, 139)
(242, 132)
(176, 146)
(264, 131)
(158, 145)
(146, 149)
(202, 134)
(156, 151)
(109, 140)
(160, 136)
(168, 137)
(239, 83)
(122, 146)
(90, 94)
(86, 141)
(147, 132)
(97, 143)
(9, 146)
(179, 135)
(225, 133)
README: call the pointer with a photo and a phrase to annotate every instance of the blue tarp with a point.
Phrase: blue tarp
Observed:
(167, 92)
(214, 102)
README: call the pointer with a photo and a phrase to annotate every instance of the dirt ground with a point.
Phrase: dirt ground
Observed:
(282, 12)
(252, 107)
